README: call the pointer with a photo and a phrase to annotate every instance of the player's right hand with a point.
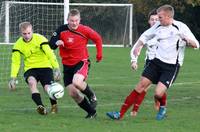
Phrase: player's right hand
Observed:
(12, 84)
(59, 43)
(134, 65)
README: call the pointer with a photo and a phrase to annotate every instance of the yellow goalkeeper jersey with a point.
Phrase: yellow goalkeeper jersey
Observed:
(36, 54)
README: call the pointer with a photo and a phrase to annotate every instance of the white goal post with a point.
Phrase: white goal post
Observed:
(116, 33)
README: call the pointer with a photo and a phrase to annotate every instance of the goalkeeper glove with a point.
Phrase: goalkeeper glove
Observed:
(57, 74)
(12, 84)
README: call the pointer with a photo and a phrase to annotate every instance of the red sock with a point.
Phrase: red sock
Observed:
(163, 100)
(138, 101)
(128, 102)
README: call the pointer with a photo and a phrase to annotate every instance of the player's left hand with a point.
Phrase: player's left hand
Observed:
(57, 74)
(98, 58)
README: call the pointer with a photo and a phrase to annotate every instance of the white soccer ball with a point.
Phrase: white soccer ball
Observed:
(55, 91)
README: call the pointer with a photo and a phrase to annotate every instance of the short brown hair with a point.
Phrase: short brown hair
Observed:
(152, 12)
(167, 8)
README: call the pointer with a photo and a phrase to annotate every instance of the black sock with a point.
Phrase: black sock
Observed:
(86, 106)
(37, 99)
(88, 92)
(52, 101)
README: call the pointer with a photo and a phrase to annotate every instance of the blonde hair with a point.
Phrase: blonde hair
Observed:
(167, 8)
(24, 25)
(74, 12)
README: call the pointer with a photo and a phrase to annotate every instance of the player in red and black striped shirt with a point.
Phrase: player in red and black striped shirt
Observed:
(72, 40)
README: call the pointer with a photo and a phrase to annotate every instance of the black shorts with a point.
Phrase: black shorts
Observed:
(145, 65)
(158, 71)
(82, 67)
(44, 75)
(147, 61)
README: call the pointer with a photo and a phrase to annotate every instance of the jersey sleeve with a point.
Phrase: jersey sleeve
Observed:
(56, 36)
(135, 52)
(187, 32)
(16, 61)
(97, 40)
(149, 34)
(50, 54)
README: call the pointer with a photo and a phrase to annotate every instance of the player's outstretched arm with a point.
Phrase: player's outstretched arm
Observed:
(135, 52)
(15, 66)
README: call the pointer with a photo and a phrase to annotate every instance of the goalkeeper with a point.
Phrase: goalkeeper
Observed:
(39, 62)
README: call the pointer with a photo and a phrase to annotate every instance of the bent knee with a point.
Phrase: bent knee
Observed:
(142, 87)
(77, 84)
(32, 81)
(78, 81)
(73, 92)
(157, 96)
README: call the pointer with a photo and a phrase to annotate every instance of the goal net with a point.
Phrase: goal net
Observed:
(112, 21)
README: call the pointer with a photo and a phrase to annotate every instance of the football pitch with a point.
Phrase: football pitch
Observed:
(112, 79)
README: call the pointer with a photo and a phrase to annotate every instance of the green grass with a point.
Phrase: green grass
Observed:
(112, 79)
